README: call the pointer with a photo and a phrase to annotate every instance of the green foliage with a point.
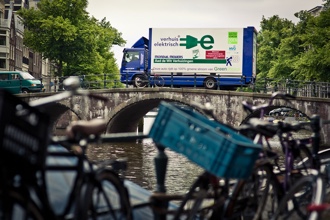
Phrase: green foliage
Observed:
(63, 32)
(296, 51)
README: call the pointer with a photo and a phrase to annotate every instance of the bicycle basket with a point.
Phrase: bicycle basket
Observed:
(213, 146)
(23, 134)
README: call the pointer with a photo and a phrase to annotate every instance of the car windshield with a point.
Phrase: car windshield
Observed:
(26, 75)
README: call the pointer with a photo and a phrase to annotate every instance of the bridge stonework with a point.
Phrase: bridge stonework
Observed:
(126, 107)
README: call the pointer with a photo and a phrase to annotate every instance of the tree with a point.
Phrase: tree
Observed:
(63, 32)
(296, 51)
(314, 62)
(273, 31)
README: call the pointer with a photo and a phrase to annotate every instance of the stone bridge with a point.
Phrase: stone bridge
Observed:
(126, 107)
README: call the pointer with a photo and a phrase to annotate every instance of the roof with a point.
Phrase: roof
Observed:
(315, 9)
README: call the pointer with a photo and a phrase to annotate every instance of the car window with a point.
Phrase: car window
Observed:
(4, 76)
(26, 75)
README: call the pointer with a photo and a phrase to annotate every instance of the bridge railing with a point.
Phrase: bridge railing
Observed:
(262, 85)
(294, 87)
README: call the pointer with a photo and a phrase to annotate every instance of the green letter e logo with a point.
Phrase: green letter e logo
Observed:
(205, 42)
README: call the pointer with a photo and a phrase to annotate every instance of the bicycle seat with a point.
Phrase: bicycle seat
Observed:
(85, 128)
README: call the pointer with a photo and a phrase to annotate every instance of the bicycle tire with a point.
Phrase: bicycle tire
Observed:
(18, 207)
(198, 193)
(307, 190)
(105, 196)
(159, 81)
(254, 198)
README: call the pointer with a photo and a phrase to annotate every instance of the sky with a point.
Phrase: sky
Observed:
(133, 18)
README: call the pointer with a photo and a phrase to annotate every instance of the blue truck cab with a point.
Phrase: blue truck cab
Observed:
(135, 62)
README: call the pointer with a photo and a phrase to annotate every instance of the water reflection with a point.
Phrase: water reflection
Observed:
(180, 172)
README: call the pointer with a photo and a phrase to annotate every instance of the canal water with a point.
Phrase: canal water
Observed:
(140, 156)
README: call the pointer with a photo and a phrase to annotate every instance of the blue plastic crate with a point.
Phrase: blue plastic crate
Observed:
(213, 146)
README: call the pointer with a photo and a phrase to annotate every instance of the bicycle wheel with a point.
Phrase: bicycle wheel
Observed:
(159, 81)
(254, 198)
(105, 198)
(202, 200)
(14, 206)
(308, 190)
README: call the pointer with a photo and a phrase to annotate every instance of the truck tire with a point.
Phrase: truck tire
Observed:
(140, 81)
(210, 83)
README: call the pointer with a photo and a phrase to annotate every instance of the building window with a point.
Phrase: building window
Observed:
(2, 63)
(2, 40)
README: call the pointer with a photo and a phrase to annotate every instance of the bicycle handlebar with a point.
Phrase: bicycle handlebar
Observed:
(249, 107)
(269, 129)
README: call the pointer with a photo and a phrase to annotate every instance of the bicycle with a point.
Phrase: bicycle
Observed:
(207, 195)
(265, 183)
(27, 191)
(308, 177)
(295, 179)
(307, 190)
(158, 80)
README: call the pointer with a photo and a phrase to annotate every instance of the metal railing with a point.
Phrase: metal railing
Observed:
(262, 85)
(294, 87)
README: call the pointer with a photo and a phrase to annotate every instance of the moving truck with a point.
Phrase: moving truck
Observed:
(185, 57)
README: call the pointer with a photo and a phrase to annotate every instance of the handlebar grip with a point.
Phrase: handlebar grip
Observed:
(247, 107)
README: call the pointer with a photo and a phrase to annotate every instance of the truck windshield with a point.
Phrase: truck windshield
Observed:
(26, 75)
(131, 56)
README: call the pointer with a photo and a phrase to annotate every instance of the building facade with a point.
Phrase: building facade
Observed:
(13, 54)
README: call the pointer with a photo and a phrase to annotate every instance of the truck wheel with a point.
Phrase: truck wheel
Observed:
(210, 83)
(140, 81)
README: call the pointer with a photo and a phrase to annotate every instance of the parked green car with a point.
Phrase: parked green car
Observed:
(20, 82)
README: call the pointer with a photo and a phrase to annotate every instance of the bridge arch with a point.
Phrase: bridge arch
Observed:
(126, 116)
(60, 113)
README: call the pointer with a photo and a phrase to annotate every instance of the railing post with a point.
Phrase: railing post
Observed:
(218, 82)
(242, 79)
(149, 78)
(160, 168)
(316, 127)
(172, 80)
(265, 85)
(275, 87)
(288, 86)
(104, 81)
(126, 79)
(194, 80)
(20, 85)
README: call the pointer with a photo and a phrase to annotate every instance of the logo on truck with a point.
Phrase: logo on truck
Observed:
(206, 42)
